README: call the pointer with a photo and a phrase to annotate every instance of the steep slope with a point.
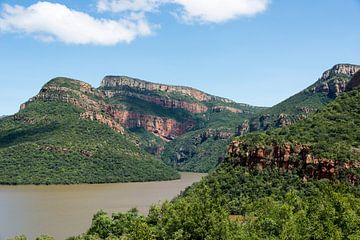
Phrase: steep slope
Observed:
(68, 134)
(331, 84)
(325, 146)
(180, 124)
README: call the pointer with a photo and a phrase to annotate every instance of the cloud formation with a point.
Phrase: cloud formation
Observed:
(51, 21)
(213, 11)
(48, 21)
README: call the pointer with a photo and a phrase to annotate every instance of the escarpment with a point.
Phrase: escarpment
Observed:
(123, 82)
(161, 101)
(291, 158)
(331, 84)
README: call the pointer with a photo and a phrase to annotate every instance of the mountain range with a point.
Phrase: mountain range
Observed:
(72, 132)
(300, 181)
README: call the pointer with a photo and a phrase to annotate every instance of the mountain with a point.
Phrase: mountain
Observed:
(331, 84)
(71, 132)
(67, 134)
(179, 124)
(297, 182)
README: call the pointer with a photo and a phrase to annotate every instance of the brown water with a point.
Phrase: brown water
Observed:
(64, 211)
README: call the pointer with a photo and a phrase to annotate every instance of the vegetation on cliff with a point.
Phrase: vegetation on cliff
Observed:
(49, 143)
(331, 84)
(200, 113)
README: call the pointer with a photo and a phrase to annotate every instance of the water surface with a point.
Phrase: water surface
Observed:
(63, 211)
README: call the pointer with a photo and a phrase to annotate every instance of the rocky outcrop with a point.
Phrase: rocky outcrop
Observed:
(226, 108)
(192, 107)
(345, 69)
(334, 81)
(289, 158)
(166, 128)
(243, 128)
(211, 133)
(103, 119)
(123, 81)
(283, 121)
(354, 82)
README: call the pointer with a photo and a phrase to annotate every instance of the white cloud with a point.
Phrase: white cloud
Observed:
(127, 5)
(214, 11)
(217, 11)
(51, 21)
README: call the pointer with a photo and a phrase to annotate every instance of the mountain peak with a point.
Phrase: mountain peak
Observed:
(342, 68)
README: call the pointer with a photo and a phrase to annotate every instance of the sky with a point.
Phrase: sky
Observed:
(252, 51)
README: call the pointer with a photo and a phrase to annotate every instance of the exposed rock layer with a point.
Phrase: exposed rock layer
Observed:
(289, 158)
(123, 81)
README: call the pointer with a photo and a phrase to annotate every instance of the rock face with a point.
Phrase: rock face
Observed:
(110, 115)
(289, 158)
(123, 81)
(354, 82)
(166, 128)
(161, 101)
(331, 83)
(345, 69)
(83, 98)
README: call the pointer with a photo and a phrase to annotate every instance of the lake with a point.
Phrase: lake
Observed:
(62, 211)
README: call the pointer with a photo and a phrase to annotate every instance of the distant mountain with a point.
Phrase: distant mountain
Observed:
(68, 134)
(331, 84)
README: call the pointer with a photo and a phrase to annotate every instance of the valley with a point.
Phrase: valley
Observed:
(284, 163)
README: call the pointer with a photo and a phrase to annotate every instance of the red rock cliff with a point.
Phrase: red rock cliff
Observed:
(288, 158)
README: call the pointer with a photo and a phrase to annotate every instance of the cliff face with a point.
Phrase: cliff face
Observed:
(161, 101)
(333, 81)
(290, 158)
(165, 128)
(96, 109)
(345, 69)
(123, 81)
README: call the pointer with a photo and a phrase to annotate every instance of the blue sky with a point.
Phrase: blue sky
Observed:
(260, 52)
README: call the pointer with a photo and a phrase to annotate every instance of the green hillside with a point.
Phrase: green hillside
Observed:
(237, 202)
(49, 143)
(332, 83)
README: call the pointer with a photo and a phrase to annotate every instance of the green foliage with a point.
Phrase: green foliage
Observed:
(197, 216)
(197, 157)
(294, 106)
(48, 143)
(202, 155)
(332, 133)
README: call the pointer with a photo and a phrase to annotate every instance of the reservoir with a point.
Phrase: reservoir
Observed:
(62, 211)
